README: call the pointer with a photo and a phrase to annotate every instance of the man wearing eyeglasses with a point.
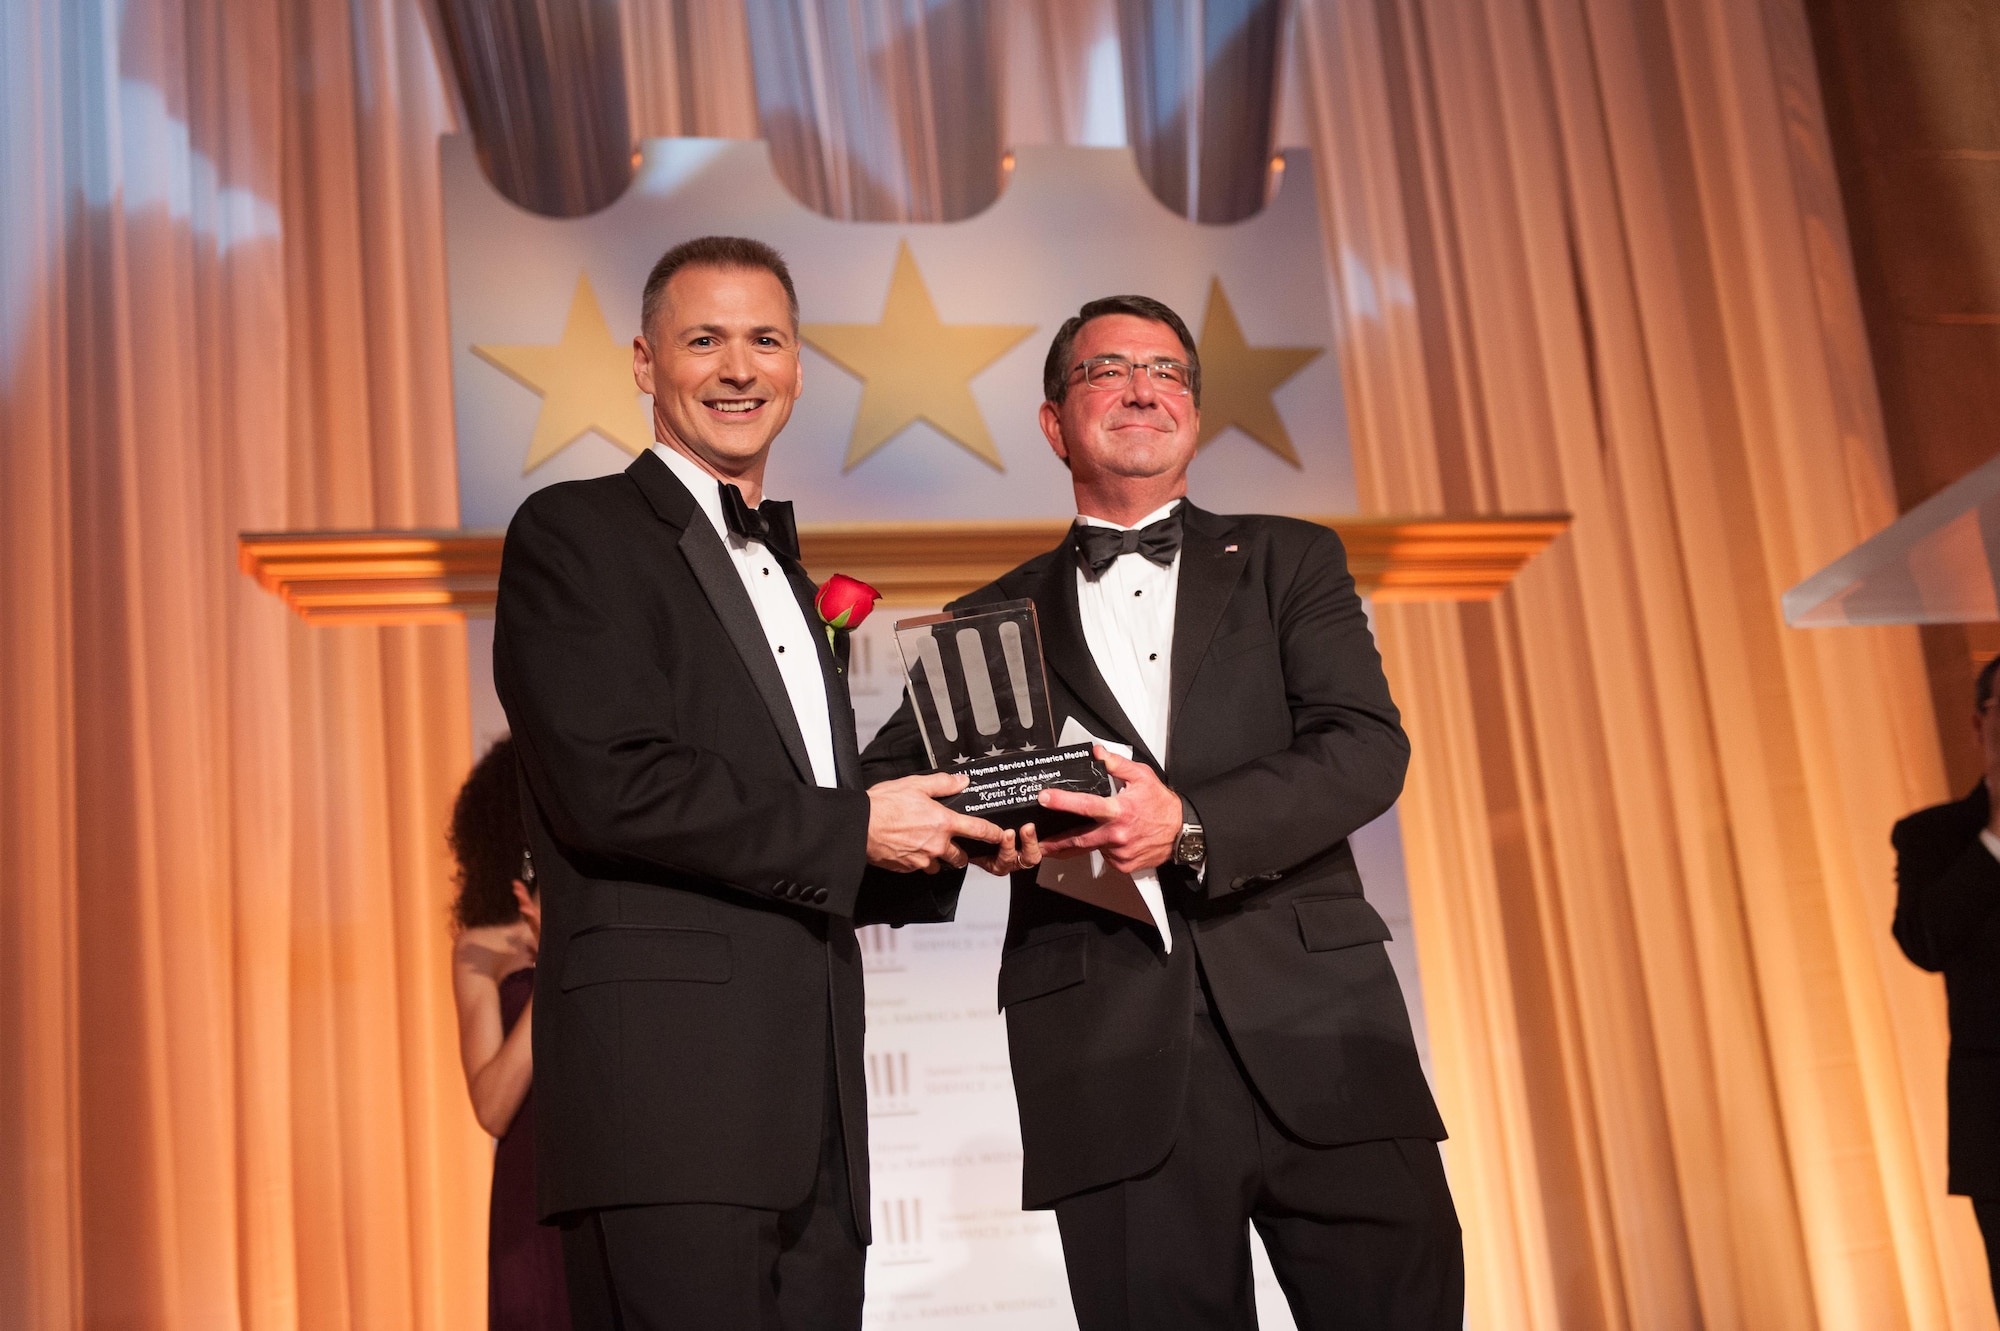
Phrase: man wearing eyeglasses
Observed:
(1257, 1067)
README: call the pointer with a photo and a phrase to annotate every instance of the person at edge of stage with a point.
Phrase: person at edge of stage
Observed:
(1948, 919)
(498, 917)
(1262, 1070)
(703, 842)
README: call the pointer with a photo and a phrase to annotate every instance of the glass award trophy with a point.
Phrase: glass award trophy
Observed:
(982, 701)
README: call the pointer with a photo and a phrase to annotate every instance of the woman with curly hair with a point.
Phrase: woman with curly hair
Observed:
(498, 918)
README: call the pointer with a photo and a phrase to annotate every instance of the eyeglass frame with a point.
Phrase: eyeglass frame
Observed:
(1167, 386)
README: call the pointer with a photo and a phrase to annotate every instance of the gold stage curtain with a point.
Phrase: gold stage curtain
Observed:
(687, 69)
(541, 89)
(1590, 256)
(880, 110)
(1060, 78)
(229, 1092)
(859, 126)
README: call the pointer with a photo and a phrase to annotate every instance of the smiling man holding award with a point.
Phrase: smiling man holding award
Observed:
(704, 845)
(1204, 1027)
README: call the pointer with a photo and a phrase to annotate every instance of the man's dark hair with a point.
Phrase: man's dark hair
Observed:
(1056, 369)
(714, 252)
(1982, 692)
(487, 840)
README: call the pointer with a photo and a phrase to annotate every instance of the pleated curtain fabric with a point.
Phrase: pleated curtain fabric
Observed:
(229, 1094)
(1060, 76)
(1591, 258)
(1201, 98)
(881, 110)
(541, 89)
(687, 69)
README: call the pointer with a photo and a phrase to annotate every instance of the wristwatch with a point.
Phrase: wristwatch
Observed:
(1190, 847)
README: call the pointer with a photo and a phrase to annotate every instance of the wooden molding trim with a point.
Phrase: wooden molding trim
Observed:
(376, 577)
(418, 577)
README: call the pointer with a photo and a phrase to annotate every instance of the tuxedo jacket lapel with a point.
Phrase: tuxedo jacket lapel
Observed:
(1066, 652)
(1210, 569)
(709, 561)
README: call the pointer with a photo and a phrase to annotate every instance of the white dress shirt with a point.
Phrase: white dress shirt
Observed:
(1128, 624)
(1991, 842)
(778, 610)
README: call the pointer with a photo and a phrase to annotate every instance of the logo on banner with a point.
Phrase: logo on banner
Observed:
(880, 950)
(889, 1084)
(899, 1231)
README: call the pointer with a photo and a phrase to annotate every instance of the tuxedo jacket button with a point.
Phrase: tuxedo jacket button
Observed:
(819, 896)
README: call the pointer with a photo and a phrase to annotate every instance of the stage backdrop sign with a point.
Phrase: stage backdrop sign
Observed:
(923, 351)
(924, 343)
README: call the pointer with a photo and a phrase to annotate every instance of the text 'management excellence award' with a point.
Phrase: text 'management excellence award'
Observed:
(982, 703)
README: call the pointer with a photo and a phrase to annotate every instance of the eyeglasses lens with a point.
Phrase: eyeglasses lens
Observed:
(1114, 372)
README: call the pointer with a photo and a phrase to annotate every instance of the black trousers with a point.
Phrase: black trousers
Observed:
(1988, 1211)
(707, 1267)
(1362, 1236)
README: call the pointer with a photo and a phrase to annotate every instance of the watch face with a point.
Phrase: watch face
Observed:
(1190, 848)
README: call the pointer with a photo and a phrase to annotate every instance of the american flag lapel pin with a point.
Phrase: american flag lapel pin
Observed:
(1228, 549)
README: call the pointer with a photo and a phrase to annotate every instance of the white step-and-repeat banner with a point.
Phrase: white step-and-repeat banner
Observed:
(923, 354)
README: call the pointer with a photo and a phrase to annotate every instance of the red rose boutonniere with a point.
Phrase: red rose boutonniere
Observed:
(843, 603)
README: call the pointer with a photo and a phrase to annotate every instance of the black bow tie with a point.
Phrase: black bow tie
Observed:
(770, 522)
(1097, 548)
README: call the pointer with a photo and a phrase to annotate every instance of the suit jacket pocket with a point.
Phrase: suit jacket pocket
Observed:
(1327, 923)
(645, 952)
(1241, 641)
(1042, 967)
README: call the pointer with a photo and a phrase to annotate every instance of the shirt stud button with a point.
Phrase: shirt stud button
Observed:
(1152, 656)
(1139, 593)
(781, 647)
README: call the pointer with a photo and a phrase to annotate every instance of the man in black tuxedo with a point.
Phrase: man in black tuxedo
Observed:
(703, 843)
(1948, 919)
(1262, 1069)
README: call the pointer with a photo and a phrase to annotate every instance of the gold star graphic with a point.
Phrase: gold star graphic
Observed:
(585, 381)
(915, 367)
(1237, 379)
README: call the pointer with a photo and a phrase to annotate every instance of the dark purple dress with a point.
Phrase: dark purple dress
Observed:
(524, 1268)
